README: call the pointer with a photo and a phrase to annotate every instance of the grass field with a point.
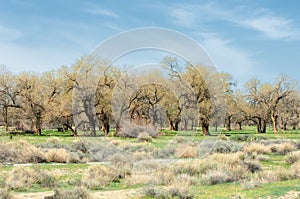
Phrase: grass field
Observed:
(236, 164)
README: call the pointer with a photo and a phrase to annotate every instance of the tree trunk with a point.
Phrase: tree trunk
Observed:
(185, 125)
(228, 123)
(259, 126)
(274, 122)
(239, 125)
(105, 127)
(171, 125)
(176, 125)
(264, 126)
(5, 118)
(205, 126)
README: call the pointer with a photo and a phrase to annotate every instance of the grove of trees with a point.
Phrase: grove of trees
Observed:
(179, 98)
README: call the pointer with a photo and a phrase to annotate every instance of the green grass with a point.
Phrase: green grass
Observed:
(230, 190)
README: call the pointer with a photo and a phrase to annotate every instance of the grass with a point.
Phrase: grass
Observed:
(71, 175)
(233, 189)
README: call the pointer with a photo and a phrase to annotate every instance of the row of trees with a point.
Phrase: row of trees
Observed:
(92, 94)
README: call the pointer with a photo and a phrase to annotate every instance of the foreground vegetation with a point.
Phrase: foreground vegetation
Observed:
(182, 165)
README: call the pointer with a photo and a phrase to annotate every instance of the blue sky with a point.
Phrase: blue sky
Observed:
(247, 38)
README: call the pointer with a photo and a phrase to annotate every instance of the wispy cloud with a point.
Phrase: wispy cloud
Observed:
(274, 27)
(101, 11)
(261, 20)
(183, 16)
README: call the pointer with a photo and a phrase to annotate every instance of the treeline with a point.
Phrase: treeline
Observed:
(92, 94)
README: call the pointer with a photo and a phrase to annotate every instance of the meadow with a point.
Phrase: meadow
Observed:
(183, 164)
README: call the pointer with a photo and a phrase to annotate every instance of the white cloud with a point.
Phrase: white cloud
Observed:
(183, 16)
(101, 11)
(273, 27)
(261, 20)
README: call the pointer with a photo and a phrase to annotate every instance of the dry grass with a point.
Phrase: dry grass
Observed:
(292, 157)
(78, 193)
(138, 180)
(283, 148)
(99, 176)
(257, 148)
(5, 193)
(181, 190)
(21, 178)
(186, 151)
(53, 140)
(58, 155)
(20, 152)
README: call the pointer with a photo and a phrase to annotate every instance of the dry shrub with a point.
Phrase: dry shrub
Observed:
(58, 155)
(53, 140)
(78, 193)
(164, 153)
(181, 190)
(132, 130)
(250, 184)
(262, 158)
(138, 180)
(257, 148)
(99, 176)
(144, 137)
(216, 176)
(292, 157)
(252, 166)
(20, 152)
(20, 178)
(148, 165)
(122, 163)
(186, 151)
(283, 148)
(163, 177)
(295, 169)
(189, 180)
(154, 192)
(275, 175)
(192, 168)
(5, 193)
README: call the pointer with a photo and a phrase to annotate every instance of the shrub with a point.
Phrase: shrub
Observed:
(58, 155)
(139, 179)
(154, 192)
(283, 148)
(148, 165)
(167, 152)
(144, 137)
(181, 190)
(180, 140)
(78, 193)
(20, 152)
(252, 166)
(292, 157)
(218, 146)
(132, 130)
(164, 177)
(54, 140)
(257, 148)
(102, 151)
(99, 176)
(21, 178)
(275, 175)
(295, 170)
(5, 193)
(122, 163)
(216, 176)
(186, 151)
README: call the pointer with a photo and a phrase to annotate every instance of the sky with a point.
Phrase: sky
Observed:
(247, 38)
